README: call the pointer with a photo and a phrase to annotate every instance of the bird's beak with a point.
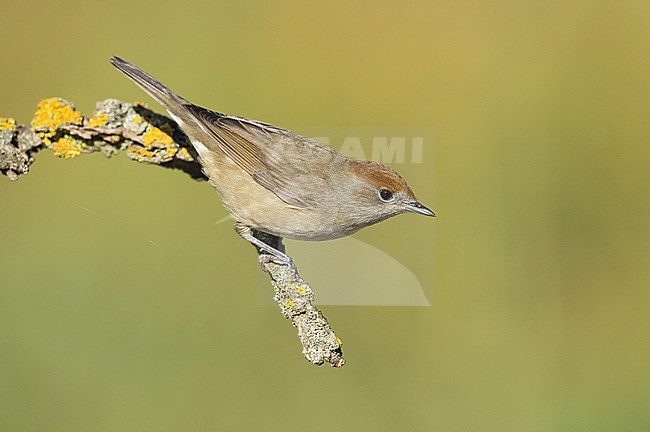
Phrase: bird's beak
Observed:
(416, 207)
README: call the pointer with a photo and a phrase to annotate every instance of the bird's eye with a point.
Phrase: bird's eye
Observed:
(385, 195)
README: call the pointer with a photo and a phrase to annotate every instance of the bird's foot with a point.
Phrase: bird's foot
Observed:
(271, 254)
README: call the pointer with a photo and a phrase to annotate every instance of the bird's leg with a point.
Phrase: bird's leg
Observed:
(246, 233)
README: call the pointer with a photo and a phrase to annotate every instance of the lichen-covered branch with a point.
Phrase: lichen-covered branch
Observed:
(151, 138)
(295, 297)
(115, 126)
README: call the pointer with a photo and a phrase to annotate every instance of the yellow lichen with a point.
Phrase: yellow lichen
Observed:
(171, 150)
(7, 123)
(289, 304)
(300, 289)
(137, 119)
(52, 113)
(67, 147)
(98, 120)
(339, 341)
(183, 154)
(140, 151)
(155, 135)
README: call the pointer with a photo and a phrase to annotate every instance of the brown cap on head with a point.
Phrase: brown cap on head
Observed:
(380, 176)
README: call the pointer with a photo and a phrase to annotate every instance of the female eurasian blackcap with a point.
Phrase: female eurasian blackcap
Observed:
(278, 182)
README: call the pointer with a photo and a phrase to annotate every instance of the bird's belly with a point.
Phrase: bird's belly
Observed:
(253, 205)
(293, 223)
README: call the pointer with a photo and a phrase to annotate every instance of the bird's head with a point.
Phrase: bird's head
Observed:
(380, 192)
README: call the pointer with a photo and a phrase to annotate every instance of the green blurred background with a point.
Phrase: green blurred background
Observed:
(123, 307)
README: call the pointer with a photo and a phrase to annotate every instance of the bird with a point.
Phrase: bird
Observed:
(278, 182)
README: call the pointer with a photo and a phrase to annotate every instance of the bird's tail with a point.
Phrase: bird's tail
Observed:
(154, 88)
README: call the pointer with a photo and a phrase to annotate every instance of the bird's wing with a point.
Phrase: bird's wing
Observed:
(275, 158)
